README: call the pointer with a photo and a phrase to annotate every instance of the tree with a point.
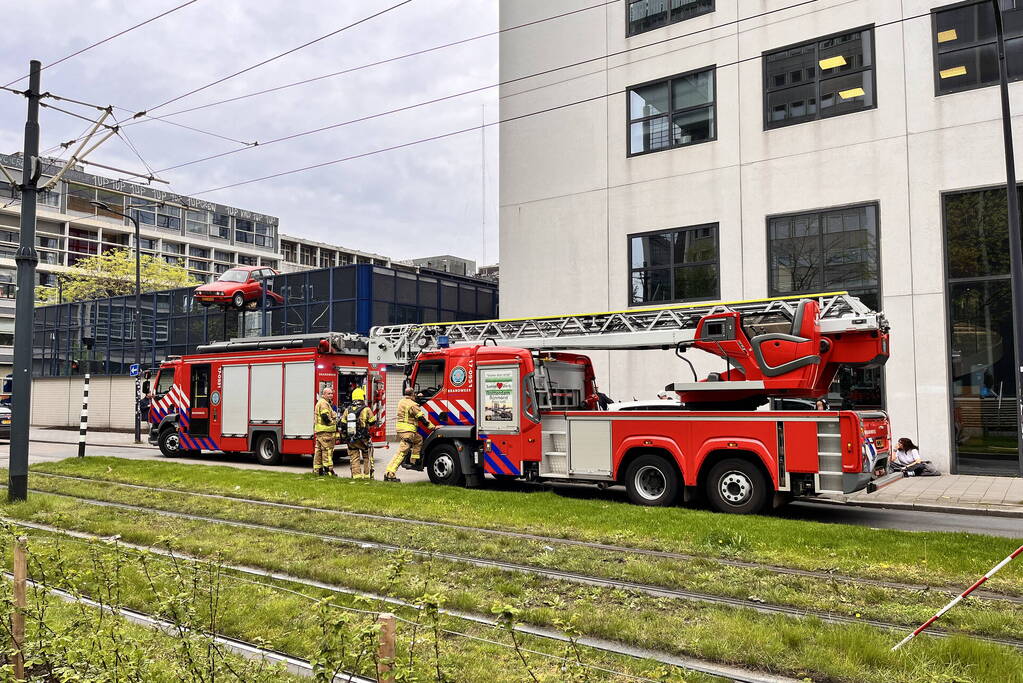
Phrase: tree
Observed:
(113, 274)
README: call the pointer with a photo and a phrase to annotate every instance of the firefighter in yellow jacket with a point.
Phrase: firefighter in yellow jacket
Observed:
(357, 420)
(325, 427)
(409, 415)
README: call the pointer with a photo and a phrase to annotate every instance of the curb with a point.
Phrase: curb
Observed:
(1001, 511)
(141, 446)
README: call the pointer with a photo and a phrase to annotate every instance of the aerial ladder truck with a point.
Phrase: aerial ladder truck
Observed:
(512, 399)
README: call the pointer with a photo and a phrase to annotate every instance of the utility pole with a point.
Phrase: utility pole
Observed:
(1015, 239)
(26, 258)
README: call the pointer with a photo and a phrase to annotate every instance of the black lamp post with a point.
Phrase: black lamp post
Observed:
(1015, 239)
(138, 309)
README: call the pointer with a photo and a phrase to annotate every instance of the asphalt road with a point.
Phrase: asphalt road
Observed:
(910, 520)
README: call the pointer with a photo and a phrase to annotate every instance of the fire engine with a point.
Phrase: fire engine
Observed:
(257, 395)
(509, 398)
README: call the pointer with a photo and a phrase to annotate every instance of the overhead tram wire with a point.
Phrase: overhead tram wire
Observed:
(459, 94)
(275, 57)
(441, 136)
(107, 39)
(362, 67)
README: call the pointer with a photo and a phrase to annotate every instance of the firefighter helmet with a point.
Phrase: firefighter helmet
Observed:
(358, 394)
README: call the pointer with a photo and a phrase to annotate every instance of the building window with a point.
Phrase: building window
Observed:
(173, 248)
(646, 15)
(197, 222)
(981, 333)
(825, 251)
(220, 227)
(676, 265)
(326, 258)
(288, 252)
(671, 113)
(199, 252)
(244, 260)
(253, 232)
(823, 78)
(306, 255)
(223, 256)
(966, 45)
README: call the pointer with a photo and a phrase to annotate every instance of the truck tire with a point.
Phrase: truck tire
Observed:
(652, 480)
(170, 443)
(443, 466)
(737, 486)
(238, 300)
(266, 450)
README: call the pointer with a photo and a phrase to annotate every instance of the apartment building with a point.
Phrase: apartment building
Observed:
(697, 150)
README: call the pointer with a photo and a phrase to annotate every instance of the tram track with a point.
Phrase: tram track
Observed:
(730, 673)
(572, 577)
(554, 540)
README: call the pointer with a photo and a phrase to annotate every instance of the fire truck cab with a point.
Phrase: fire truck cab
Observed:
(257, 395)
(513, 410)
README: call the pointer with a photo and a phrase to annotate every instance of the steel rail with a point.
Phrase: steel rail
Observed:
(733, 673)
(594, 545)
(237, 646)
(572, 577)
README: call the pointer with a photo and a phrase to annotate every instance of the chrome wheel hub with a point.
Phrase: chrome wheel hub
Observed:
(735, 487)
(650, 482)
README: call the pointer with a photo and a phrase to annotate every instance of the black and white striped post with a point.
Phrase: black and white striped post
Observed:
(84, 425)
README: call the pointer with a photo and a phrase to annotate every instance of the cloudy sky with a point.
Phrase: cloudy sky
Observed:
(422, 200)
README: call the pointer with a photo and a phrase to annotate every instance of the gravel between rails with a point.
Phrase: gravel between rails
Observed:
(731, 673)
(654, 591)
(987, 595)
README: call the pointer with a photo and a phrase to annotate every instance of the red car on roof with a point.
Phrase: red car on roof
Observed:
(237, 287)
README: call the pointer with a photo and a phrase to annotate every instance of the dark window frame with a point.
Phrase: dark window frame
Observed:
(672, 266)
(628, 24)
(936, 52)
(672, 112)
(774, 125)
(773, 292)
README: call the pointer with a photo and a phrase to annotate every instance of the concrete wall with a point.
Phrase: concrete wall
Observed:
(57, 402)
(570, 195)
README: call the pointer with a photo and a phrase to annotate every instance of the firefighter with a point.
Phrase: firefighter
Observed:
(325, 421)
(409, 415)
(357, 420)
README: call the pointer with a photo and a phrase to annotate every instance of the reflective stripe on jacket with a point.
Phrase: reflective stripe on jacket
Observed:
(409, 414)
(323, 417)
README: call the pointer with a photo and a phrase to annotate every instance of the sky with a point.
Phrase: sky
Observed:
(422, 200)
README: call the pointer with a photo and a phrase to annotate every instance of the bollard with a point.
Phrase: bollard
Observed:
(83, 426)
(20, 607)
(385, 652)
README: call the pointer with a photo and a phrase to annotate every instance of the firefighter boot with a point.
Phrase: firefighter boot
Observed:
(390, 477)
(329, 472)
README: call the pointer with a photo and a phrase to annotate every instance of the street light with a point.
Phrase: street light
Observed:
(138, 307)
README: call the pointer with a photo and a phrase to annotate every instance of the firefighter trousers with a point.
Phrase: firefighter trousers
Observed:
(360, 453)
(411, 443)
(323, 453)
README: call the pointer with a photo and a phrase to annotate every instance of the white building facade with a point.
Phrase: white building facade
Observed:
(735, 149)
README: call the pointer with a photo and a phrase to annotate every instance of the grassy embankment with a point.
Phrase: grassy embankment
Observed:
(796, 646)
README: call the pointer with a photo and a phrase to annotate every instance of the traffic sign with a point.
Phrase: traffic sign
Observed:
(134, 370)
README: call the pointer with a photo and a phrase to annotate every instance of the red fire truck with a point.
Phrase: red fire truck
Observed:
(509, 400)
(257, 395)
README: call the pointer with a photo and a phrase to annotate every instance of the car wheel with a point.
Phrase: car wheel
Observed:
(238, 300)
(444, 467)
(652, 480)
(737, 486)
(267, 452)
(170, 443)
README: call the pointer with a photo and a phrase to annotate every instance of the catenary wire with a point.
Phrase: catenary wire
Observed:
(275, 57)
(441, 136)
(108, 39)
(371, 64)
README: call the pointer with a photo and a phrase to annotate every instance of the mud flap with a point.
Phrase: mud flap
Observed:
(470, 468)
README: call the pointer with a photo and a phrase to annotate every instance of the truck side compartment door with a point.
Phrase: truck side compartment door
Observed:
(199, 400)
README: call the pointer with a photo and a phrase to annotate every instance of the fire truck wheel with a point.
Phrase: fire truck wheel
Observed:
(736, 486)
(444, 467)
(170, 444)
(238, 300)
(267, 452)
(651, 480)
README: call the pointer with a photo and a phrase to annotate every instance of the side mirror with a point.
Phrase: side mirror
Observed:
(145, 387)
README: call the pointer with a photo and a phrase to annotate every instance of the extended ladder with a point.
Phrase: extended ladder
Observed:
(642, 328)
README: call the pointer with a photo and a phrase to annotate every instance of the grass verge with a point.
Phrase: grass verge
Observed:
(908, 608)
(929, 558)
(800, 647)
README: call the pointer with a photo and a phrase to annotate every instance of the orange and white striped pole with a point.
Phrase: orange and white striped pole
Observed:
(959, 598)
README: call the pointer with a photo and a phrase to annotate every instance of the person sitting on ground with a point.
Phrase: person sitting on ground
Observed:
(907, 460)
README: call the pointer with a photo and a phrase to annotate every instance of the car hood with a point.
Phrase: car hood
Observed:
(218, 286)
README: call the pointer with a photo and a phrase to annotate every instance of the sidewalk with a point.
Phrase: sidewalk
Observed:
(93, 438)
(968, 494)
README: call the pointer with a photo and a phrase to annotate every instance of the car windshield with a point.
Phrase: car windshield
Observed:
(234, 275)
